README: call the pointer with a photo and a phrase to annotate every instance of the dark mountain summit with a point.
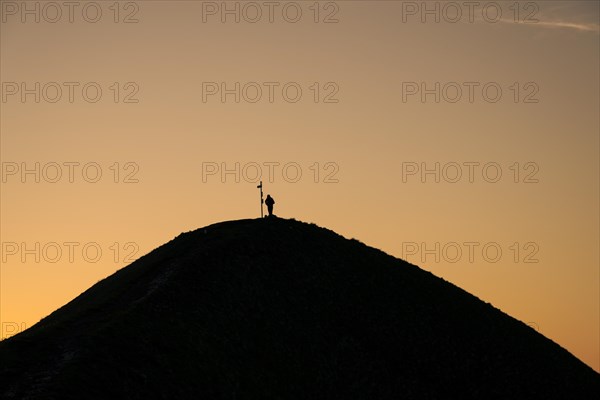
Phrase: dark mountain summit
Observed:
(280, 309)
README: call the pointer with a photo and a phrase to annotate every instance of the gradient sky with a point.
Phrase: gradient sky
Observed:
(365, 139)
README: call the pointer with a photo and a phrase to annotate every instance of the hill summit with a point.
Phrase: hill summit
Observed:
(279, 309)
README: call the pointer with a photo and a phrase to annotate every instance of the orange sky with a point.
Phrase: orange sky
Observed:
(346, 96)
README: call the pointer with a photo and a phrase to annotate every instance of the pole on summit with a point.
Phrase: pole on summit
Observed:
(261, 200)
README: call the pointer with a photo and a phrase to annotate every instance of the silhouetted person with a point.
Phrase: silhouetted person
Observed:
(269, 202)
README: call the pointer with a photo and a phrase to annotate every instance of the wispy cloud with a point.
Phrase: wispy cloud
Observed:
(572, 25)
(580, 16)
(583, 27)
(583, 16)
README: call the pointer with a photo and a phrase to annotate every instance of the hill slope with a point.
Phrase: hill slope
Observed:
(279, 309)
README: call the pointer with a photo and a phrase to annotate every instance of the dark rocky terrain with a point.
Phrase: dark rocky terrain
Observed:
(280, 309)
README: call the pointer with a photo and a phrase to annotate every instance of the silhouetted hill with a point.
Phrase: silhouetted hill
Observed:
(280, 309)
